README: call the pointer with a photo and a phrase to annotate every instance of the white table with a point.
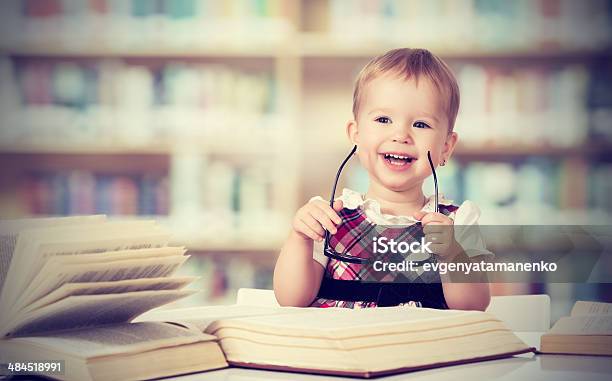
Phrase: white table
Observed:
(523, 368)
(527, 367)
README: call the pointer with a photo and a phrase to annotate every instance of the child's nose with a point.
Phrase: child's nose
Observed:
(402, 135)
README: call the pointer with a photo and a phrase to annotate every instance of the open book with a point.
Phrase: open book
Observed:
(87, 277)
(360, 343)
(587, 331)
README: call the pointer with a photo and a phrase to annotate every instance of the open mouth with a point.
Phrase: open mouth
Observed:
(398, 160)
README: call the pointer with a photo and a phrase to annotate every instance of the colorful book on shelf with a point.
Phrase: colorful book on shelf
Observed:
(587, 331)
(83, 192)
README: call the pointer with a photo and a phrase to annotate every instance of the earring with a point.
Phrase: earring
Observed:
(443, 163)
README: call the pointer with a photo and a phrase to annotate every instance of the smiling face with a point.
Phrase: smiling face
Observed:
(398, 122)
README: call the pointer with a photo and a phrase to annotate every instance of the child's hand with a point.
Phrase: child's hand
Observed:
(311, 219)
(439, 230)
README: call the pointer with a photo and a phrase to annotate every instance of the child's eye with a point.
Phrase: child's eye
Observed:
(421, 125)
(383, 120)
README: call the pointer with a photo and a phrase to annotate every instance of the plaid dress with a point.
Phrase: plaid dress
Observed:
(354, 237)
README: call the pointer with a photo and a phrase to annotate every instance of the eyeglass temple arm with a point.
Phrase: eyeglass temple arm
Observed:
(333, 194)
(433, 170)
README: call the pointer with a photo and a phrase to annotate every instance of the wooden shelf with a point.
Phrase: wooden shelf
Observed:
(83, 149)
(239, 246)
(235, 241)
(322, 46)
(241, 242)
(308, 45)
(222, 50)
(265, 258)
(517, 151)
(258, 142)
(15, 162)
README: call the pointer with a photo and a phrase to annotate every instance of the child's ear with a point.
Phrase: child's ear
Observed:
(352, 132)
(449, 145)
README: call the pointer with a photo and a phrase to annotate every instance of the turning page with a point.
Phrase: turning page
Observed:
(91, 310)
(56, 273)
(35, 246)
(112, 287)
(9, 229)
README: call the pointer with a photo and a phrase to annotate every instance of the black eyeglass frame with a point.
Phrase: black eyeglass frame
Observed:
(328, 251)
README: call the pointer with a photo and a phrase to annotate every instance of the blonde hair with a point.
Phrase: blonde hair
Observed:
(407, 63)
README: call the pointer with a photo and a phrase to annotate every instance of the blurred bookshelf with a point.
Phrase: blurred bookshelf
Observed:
(221, 118)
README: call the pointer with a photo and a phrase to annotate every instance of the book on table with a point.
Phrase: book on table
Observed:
(70, 286)
(587, 331)
(76, 286)
(352, 342)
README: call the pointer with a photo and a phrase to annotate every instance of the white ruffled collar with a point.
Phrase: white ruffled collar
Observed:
(354, 200)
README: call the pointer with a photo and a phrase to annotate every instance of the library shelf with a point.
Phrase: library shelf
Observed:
(253, 141)
(487, 152)
(229, 49)
(315, 45)
(291, 56)
(72, 152)
(305, 45)
(117, 162)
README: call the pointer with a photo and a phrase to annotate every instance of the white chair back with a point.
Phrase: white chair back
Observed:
(522, 312)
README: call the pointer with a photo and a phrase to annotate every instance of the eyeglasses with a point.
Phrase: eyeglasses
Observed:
(331, 253)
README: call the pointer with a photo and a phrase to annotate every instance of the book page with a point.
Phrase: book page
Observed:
(116, 339)
(313, 321)
(56, 272)
(74, 252)
(7, 245)
(114, 255)
(91, 310)
(34, 246)
(112, 287)
(10, 228)
(583, 325)
(95, 260)
(591, 308)
(345, 322)
(202, 317)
